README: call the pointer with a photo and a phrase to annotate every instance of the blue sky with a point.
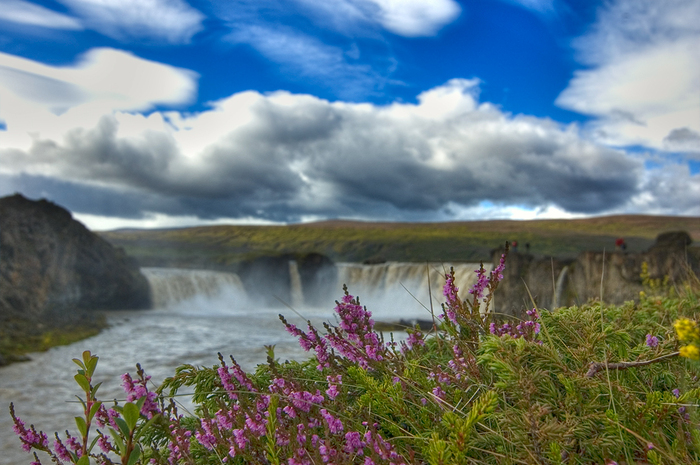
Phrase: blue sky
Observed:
(159, 113)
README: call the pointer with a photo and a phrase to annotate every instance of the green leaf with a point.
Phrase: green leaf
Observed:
(93, 410)
(84, 460)
(79, 363)
(82, 426)
(92, 444)
(122, 426)
(82, 402)
(86, 357)
(117, 441)
(94, 389)
(131, 415)
(140, 402)
(91, 365)
(82, 382)
(135, 454)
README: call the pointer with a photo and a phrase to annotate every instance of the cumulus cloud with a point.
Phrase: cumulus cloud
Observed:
(643, 80)
(22, 12)
(172, 21)
(285, 157)
(668, 190)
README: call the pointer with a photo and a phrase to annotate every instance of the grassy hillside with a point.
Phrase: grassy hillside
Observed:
(359, 241)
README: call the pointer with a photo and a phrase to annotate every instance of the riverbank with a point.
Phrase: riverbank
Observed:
(21, 337)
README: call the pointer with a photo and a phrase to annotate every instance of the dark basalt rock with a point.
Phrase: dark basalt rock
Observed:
(318, 278)
(267, 278)
(54, 271)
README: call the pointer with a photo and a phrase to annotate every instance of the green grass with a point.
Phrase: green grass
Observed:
(222, 246)
(23, 336)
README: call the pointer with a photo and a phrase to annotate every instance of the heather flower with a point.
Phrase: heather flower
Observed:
(60, 450)
(104, 444)
(353, 443)
(652, 341)
(334, 424)
(438, 392)
(449, 290)
(497, 273)
(29, 437)
(481, 284)
(415, 338)
(333, 382)
(137, 389)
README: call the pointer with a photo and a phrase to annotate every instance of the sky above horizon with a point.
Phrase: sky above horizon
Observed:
(169, 113)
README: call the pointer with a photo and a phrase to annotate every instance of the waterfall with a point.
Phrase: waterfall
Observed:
(391, 290)
(560, 287)
(296, 289)
(400, 290)
(173, 285)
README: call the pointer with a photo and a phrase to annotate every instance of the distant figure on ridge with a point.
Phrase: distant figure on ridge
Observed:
(620, 244)
(514, 246)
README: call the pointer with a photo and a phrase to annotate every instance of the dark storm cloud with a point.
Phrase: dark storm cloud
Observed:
(294, 156)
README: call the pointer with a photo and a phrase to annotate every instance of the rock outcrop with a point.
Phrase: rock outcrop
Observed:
(54, 271)
(615, 276)
(268, 279)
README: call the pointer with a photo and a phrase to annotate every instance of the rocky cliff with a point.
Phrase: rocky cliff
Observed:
(268, 278)
(53, 271)
(615, 276)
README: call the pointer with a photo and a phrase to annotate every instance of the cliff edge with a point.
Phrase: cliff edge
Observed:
(54, 271)
(613, 276)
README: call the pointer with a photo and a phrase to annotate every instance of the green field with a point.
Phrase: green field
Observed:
(351, 241)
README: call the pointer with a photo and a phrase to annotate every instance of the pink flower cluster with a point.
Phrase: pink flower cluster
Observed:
(354, 338)
(525, 329)
(136, 389)
(30, 437)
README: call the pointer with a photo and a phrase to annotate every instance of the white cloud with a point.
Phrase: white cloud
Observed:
(413, 18)
(47, 101)
(645, 79)
(172, 21)
(22, 12)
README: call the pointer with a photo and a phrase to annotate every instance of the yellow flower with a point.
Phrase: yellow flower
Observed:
(690, 351)
(686, 330)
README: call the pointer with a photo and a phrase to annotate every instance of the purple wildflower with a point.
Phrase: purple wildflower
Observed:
(652, 341)
(450, 291)
(61, 450)
(334, 424)
(481, 284)
(29, 437)
(104, 444)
